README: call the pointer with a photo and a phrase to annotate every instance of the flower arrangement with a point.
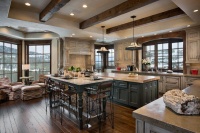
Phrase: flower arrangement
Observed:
(146, 62)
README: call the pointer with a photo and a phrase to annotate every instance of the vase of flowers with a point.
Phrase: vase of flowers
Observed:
(146, 63)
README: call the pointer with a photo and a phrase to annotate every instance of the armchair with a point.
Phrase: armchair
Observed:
(41, 82)
(13, 90)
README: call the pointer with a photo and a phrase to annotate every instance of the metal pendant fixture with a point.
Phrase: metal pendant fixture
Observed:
(134, 45)
(103, 49)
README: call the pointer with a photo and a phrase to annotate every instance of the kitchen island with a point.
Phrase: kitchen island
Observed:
(156, 117)
(134, 91)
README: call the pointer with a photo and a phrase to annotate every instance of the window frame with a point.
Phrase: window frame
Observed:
(161, 41)
(37, 43)
(17, 42)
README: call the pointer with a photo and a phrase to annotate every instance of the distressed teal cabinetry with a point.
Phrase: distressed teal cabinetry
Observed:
(135, 94)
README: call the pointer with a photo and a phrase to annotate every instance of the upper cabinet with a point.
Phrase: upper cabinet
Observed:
(193, 45)
(122, 55)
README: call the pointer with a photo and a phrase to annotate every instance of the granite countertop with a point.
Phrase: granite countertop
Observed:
(158, 114)
(125, 77)
(80, 81)
(158, 73)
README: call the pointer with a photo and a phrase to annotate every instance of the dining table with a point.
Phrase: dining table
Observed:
(80, 84)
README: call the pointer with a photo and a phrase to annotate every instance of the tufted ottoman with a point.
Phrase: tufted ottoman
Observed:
(31, 92)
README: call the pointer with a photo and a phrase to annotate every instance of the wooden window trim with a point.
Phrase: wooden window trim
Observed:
(178, 34)
(169, 41)
(35, 43)
(19, 50)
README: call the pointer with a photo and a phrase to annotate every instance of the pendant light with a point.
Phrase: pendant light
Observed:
(134, 45)
(103, 49)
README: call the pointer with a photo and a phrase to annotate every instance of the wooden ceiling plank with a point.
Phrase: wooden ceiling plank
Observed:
(51, 8)
(150, 19)
(120, 9)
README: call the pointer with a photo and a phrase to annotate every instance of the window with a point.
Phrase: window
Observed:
(111, 61)
(39, 58)
(9, 60)
(165, 54)
(98, 60)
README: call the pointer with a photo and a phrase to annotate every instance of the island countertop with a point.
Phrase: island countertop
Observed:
(156, 113)
(125, 77)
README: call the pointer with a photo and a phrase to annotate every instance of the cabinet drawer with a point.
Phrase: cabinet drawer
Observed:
(120, 84)
(172, 80)
(134, 86)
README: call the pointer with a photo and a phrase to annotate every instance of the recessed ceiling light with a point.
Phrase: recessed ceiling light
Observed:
(196, 10)
(155, 34)
(142, 36)
(188, 25)
(84, 6)
(73, 34)
(91, 36)
(170, 31)
(72, 14)
(27, 4)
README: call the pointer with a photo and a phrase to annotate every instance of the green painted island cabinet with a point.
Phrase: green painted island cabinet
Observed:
(135, 94)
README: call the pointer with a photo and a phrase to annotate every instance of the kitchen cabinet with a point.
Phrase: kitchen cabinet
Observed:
(122, 55)
(121, 92)
(172, 82)
(188, 80)
(193, 45)
(135, 94)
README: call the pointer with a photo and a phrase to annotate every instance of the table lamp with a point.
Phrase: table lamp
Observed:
(26, 68)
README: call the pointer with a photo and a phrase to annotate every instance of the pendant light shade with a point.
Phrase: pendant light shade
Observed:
(134, 45)
(103, 49)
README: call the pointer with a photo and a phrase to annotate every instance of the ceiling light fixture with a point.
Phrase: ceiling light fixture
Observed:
(170, 31)
(27, 4)
(103, 49)
(196, 10)
(73, 34)
(90, 36)
(84, 6)
(72, 14)
(134, 45)
(188, 25)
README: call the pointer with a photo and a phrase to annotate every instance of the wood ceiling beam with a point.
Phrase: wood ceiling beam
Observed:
(150, 19)
(120, 9)
(52, 8)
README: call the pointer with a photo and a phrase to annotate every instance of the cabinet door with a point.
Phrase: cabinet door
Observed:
(122, 95)
(172, 83)
(189, 80)
(147, 93)
(193, 54)
(134, 95)
(115, 93)
(128, 55)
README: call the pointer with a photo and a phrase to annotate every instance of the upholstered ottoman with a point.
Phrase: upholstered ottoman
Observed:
(31, 92)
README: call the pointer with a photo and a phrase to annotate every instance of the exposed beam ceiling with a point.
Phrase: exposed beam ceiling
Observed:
(52, 8)
(115, 11)
(150, 19)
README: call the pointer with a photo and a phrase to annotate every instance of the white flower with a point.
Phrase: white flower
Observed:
(146, 61)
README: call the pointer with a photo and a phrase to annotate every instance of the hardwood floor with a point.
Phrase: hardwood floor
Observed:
(31, 117)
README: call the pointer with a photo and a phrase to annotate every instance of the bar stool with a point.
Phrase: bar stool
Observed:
(53, 89)
(96, 103)
(67, 92)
